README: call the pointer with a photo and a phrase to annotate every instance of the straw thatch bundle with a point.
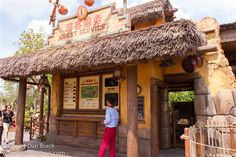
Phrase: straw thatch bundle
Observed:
(179, 38)
(150, 11)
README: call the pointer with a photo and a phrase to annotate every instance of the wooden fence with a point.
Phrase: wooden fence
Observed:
(34, 128)
(210, 139)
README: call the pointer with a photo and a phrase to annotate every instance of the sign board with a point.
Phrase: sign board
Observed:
(89, 92)
(99, 22)
(69, 101)
(140, 107)
(110, 89)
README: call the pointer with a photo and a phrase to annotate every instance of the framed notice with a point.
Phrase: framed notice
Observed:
(140, 107)
(69, 97)
(89, 92)
(110, 89)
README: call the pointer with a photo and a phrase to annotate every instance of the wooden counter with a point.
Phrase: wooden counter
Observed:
(88, 126)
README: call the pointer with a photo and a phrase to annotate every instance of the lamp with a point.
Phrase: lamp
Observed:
(43, 81)
(89, 2)
(62, 10)
(118, 76)
(165, 63)
(190, 63)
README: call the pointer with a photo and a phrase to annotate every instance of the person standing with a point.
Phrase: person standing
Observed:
(7, 121)
(109, 136)
(1, 130)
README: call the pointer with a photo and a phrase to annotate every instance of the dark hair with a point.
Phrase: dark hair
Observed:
(8, 106)
(110, 99)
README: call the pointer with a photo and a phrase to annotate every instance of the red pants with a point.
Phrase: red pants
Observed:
(109, 138)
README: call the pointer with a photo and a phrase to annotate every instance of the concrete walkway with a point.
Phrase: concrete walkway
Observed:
(43, 149)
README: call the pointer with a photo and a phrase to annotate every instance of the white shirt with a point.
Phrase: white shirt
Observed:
(112, 117)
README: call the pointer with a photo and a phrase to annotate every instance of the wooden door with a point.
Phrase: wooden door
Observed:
(155, 98)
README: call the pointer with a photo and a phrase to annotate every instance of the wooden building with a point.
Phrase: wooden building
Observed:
(134, 57)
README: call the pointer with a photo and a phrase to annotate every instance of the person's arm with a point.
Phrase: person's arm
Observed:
(107, 118)
(13, 115)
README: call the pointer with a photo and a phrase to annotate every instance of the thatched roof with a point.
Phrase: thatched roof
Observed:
(228, 26)
(150, 11)
(179, 38)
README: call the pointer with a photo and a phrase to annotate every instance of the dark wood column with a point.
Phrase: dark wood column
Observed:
(41, 126)
(154, 118)
(20, 112)
(132, 115)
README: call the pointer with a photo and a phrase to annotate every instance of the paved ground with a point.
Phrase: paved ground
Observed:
(38, 149)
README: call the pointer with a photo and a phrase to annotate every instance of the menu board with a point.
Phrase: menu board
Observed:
(140, 107)
(89, 92)
(69, 101)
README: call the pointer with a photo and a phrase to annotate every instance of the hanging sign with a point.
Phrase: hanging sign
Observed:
(89, 92)
(82, 12)
(86, 25)
(69, 101)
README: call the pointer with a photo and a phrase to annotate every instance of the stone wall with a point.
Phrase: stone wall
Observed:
(144, 141)
(219, 74)
(213, 90)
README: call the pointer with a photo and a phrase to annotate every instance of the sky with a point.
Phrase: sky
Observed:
(19, 15)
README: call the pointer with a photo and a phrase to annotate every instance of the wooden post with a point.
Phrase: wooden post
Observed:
(174, 119)
(49, 107)
(53, 16)
(187, 143)
(132, 116)
(232, 144)
(31, 127)
(125, 6)
(20, 112)
(199, 147)
(41, 119)
(154, 118)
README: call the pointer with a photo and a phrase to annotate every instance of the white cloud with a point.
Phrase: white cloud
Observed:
(37, 25)
(119, 3)
(20, 9)
(223, 10)
(180, 14)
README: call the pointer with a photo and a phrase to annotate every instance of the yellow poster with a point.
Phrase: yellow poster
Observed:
(89, 92)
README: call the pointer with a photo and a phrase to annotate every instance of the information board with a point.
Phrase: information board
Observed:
(89, 92)
(69, 99)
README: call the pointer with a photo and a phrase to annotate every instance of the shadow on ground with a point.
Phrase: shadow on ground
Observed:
(36, 148)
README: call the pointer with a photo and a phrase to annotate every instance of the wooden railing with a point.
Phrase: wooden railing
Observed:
(210, 139)
(34, 127)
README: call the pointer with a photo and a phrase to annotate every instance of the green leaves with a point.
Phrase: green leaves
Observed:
(185, 96)
(31, 41)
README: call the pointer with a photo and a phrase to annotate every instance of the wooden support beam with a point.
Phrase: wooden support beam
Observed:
(180, 78)
(20, 112)
(207, 48)
(233, 68)
(132, 116)
(15, 80)
(228, 36)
